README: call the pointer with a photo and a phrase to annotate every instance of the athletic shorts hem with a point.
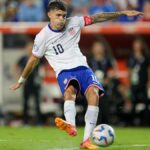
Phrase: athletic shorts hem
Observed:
(101, 95)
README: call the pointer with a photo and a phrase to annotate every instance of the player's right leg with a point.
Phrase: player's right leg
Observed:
(68, 125)
(92, 96)
(93, 91)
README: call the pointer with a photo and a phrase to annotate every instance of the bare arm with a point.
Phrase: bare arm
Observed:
(32, 62)
(100, 17)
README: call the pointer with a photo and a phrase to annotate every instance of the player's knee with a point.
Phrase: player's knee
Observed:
(96, 92)
(70, 93)
(93, 91)
(92, 96)
(69, 96)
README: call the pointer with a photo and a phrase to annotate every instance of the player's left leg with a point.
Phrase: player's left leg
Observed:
(92, 96)
(69, 124)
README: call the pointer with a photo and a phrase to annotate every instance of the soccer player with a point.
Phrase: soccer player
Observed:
(58, 43)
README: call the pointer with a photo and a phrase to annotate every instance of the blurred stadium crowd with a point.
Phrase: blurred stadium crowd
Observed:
(127, 100)
(35, 10)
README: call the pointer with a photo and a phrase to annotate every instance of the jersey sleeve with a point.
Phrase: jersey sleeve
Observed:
(39, 45)
(83, 20)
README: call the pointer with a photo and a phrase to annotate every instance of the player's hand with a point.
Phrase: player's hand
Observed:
(131, 13)
(15, 86)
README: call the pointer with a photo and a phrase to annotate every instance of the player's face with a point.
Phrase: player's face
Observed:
(57, 19)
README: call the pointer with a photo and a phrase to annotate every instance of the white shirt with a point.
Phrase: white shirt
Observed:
(61, 49)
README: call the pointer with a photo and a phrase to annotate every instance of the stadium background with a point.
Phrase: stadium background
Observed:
(21, 20)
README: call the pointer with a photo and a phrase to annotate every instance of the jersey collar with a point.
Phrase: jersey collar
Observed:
(57, 31)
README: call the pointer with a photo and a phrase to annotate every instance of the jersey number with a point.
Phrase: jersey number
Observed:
(58, 49)
(94, 78)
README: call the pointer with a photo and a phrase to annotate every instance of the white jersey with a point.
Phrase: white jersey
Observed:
(61, 48)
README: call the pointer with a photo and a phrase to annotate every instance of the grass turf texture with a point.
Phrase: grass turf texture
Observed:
(54, 139)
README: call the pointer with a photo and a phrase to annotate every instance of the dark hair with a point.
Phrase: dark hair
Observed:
(58, 5)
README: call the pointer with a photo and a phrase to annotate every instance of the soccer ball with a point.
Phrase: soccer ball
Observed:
(103, 135)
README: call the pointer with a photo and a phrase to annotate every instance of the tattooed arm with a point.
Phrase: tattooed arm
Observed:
(109, 16)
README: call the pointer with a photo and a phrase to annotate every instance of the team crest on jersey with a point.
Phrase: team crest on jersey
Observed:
(65, 81)
(71, 31)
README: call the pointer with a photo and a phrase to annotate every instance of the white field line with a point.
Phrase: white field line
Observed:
(133, 145)
(116, 146)
(76, 148)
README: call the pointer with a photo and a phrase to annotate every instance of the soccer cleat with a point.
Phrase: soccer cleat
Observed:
(64, 125)
(87, 144)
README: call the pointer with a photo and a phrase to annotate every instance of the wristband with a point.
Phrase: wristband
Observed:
(21, 80)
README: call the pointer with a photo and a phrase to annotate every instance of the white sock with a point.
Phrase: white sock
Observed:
(70, 111)
(90, 120)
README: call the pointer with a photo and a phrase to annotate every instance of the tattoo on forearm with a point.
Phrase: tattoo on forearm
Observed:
(106, 16)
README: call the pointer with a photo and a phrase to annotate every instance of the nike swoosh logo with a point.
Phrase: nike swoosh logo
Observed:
(92, 123)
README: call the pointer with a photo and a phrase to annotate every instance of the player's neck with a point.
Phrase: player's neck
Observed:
(54, 29)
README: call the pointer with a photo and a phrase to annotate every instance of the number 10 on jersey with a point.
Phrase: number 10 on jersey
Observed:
(58, 49)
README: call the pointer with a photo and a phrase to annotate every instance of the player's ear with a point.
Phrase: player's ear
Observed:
(49, 14)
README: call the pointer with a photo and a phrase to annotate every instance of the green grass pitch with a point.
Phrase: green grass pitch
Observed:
(54, 139)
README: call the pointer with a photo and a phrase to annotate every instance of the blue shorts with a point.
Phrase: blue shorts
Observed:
(84, 77)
